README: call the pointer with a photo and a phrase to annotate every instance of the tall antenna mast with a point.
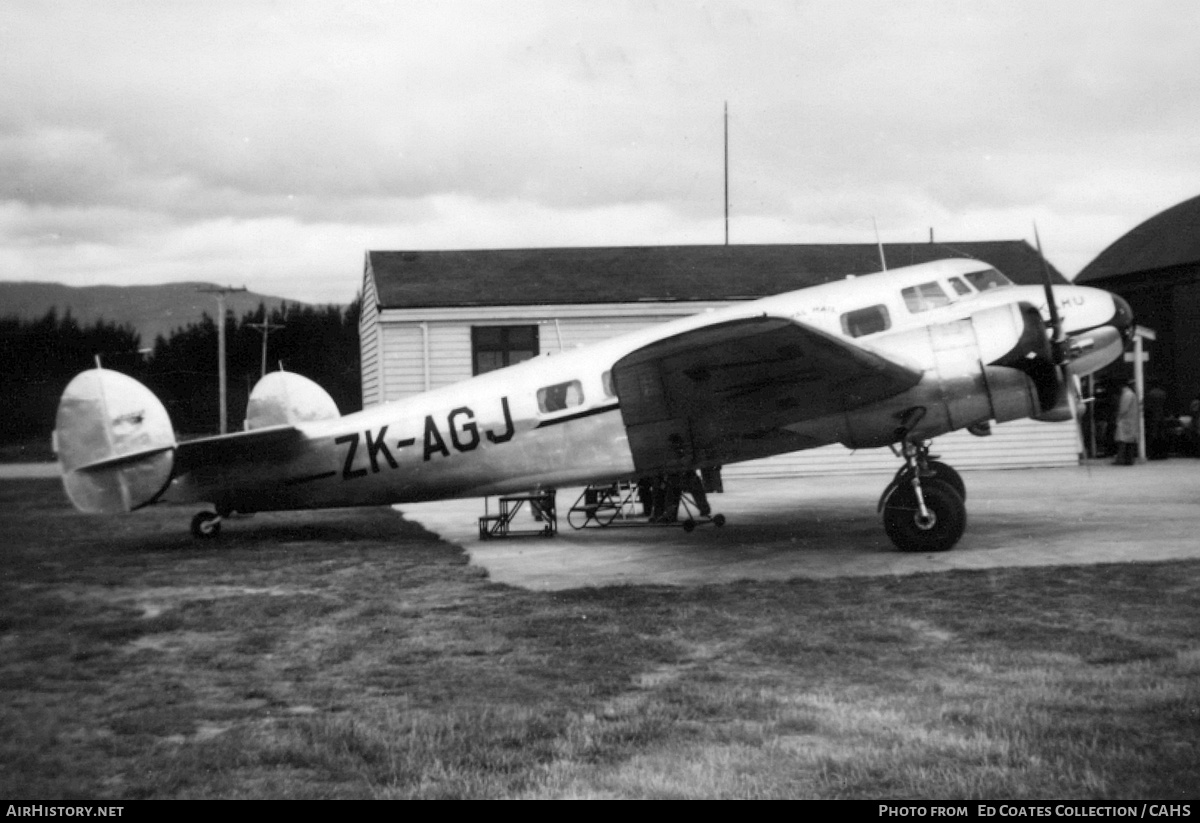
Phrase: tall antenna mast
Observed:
(726, 172)
(878, 242)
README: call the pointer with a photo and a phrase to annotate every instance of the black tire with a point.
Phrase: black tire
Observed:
(718, 520)
(206, 525)
(946, 474)
(902, 518)
(689, 525)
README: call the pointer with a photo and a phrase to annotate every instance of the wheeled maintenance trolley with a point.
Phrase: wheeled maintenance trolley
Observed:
(619, 505)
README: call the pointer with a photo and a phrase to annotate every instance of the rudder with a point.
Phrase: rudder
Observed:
(285, 399)
(114, 442)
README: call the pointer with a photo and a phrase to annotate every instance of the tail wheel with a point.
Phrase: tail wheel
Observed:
(913, 532)
(206, 525)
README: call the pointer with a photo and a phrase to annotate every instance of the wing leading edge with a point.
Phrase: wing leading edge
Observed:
(725, 392)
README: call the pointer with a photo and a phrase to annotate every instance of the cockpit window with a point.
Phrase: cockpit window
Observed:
(924, 297)
(561, 396)
(960, 287)
(988, 279)
(866, 321)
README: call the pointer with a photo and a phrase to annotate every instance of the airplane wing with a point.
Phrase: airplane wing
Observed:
(725, 392)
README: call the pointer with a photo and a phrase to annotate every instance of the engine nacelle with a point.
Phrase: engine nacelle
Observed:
(993, 365)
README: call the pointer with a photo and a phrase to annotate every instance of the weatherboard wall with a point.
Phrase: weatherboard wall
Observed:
(420, 349)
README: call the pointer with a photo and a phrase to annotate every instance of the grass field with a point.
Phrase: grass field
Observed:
(351, 654)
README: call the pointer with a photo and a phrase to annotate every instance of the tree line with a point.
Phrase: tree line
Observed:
(39, 357)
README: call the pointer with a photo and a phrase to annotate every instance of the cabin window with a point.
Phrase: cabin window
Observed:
(924, 297)
(866, 321)
(606, 380)
(494, 347)
(960, 287)
(988, 279)
(561, 396)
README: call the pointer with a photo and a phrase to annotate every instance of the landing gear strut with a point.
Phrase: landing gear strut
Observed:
(923, 508)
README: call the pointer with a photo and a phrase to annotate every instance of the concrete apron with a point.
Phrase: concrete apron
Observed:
(827, 527)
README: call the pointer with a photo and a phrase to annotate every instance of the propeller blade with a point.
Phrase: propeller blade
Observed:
(1059, 351)
(1075, 403)
(1059, 339)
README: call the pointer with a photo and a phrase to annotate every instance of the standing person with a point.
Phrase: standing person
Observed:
(645, 495)
(672, 492)
(1128, 414)
(658, 498)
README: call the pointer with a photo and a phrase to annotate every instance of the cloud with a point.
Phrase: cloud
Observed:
(177, 140)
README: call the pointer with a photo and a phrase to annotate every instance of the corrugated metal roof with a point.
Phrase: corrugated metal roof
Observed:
(507, 277)
(1170, 238)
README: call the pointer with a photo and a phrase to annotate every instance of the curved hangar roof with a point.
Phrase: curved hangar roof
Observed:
(1170, 238)
(509, 277)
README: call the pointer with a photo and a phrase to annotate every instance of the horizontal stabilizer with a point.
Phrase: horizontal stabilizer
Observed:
(228, 449)
(122, 459)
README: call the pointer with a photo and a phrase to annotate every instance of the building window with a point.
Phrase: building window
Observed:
(494, 347)
(866, 321)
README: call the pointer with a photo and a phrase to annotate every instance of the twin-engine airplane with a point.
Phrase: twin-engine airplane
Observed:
(887, 359)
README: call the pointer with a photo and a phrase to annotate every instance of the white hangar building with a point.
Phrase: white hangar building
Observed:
(432, 318)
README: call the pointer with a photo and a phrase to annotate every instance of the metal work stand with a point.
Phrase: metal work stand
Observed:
(542, 504)
(617, 505)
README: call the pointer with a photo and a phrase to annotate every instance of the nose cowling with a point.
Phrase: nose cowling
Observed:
(1122, 318)
(1094, 348)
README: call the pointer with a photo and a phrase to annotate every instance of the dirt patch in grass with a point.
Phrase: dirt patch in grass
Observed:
(351, 654)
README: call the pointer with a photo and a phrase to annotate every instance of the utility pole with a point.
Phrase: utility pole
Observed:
(220, 292)
(264, 328)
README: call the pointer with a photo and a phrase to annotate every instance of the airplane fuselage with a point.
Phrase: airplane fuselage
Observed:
(556, 420)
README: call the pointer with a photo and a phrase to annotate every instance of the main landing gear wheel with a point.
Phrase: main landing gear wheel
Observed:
(206, 525)
(930, 470)
(937, 530)
(941, 471)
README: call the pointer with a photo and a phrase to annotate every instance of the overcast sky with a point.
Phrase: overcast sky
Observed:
(271, 143)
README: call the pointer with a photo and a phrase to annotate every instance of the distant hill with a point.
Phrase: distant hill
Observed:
(152, 310)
